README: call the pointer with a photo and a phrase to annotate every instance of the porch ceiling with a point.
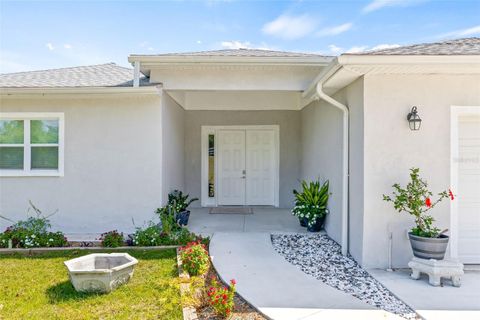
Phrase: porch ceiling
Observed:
(236, 99)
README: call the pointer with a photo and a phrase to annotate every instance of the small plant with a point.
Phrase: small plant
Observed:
(195, 258)
(416, 199)
(221, 298)
(32, 232)
(180, 201)
(149, 236)
(168, 218)
(112, 239)
(311, 203)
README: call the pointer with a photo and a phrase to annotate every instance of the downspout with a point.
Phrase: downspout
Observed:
(345, 162)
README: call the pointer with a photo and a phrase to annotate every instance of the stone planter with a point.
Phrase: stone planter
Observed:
(100, 272)
(429, 248)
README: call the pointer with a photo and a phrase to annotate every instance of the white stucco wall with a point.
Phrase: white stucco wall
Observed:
(112, 171)
(289, 123)
(391, 148)
(321, 156)
(173, 137)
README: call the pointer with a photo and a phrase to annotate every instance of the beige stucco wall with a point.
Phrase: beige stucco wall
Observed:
(112, 171)
(289, 123)
(173, 138)
(390, 149)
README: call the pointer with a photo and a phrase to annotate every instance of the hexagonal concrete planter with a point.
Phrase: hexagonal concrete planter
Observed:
(100, 272)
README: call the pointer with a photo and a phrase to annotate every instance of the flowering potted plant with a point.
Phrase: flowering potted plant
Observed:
(311, 204)
(426, 240)
(180, 203)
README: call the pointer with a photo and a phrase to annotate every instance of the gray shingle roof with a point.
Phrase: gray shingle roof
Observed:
(101, 75)
(465, 46)
(240, 53)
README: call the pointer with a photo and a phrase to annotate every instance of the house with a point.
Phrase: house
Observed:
(105, 144)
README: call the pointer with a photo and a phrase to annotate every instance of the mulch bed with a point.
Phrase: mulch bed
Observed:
(242, 311)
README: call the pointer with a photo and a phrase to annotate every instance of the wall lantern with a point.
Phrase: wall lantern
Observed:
(414, 120)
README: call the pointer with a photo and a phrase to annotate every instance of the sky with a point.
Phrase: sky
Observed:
(37, 35)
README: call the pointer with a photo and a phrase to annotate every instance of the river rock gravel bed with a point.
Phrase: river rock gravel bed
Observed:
(321, 257)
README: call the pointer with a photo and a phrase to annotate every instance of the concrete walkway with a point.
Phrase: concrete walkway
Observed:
(435, 303)
(277, 288)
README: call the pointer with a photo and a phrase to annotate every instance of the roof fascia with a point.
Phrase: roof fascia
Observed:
(79, 91)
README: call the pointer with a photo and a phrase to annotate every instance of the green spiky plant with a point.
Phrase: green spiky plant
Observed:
(311, 203)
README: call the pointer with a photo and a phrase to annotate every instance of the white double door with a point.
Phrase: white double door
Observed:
(246, 167)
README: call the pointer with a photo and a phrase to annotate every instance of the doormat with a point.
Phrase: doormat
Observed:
(231, 210)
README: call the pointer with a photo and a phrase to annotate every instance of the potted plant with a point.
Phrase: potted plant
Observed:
(311, 204)
(426, 240)
(180, 203)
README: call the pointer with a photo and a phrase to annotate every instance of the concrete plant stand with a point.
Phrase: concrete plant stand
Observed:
(437, 269)
(100, 272)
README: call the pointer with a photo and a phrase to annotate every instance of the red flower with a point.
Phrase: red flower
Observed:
(233, 282)
(428, 202)
(450, 193)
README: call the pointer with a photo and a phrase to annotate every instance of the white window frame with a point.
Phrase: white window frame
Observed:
(26, 117)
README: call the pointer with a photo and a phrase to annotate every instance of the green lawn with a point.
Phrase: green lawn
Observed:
(37, 287)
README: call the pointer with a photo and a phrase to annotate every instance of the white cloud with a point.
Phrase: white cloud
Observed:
(379, 4)
(67, 46)
(357, 49)
(334, 49)
(461, 33)
(332, 31)
(236, 44)
(290, 27)
(50, 46)
(385, 46)
(244, 45)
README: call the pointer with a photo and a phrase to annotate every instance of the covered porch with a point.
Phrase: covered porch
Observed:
(263, 219)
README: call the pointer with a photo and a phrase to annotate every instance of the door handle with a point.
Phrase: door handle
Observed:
(244, 172)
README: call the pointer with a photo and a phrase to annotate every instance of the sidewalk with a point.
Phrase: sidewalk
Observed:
(277, 288)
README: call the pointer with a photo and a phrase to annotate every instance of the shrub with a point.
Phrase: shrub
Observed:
(221, 298)
(149, 236)
(112, 239)
(311, 203)
(195, 258)
(32, 232)
(415, 199)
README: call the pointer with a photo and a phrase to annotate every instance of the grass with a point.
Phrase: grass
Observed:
(37, 287)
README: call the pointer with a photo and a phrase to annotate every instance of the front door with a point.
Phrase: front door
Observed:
(246, 167)
(231, 167)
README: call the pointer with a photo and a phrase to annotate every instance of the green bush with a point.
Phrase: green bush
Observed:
(152, 235)
(112, 239)
(32, 232)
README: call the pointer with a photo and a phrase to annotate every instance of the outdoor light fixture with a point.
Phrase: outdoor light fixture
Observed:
(414, 120)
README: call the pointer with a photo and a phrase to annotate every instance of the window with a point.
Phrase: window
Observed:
(31, 144)
(211, 165)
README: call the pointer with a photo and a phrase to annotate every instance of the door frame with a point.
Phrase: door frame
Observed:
(455, 113)
(208, 130)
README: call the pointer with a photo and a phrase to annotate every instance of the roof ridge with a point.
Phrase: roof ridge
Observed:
(64, 68)
(453, 41)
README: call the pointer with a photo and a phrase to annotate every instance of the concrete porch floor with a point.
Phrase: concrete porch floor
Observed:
(263, 219)
(435, 303)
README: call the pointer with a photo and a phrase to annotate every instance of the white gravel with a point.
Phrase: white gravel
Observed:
(321, 257)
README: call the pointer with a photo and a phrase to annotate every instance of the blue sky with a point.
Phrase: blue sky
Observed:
(42, 35)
